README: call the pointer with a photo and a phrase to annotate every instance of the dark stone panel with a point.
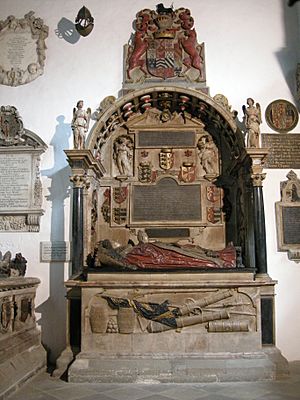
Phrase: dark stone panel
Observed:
(267, 321)
(167, 233)
(166, 201)
(291, 225)
(166, 138)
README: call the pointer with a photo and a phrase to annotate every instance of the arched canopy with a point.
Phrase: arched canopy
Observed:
(218, 121)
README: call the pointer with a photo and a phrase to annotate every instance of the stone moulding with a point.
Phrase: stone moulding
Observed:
(23, 53)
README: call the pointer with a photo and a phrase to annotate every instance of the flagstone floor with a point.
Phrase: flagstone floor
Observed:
(43, 387)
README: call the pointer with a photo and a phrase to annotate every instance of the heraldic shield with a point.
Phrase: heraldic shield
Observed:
(166, 159)
(164, 58)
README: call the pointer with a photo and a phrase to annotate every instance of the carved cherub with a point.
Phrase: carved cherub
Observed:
(252, 121)
(80, 124)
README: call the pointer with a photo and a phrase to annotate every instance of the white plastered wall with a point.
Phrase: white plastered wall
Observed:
(251, 51)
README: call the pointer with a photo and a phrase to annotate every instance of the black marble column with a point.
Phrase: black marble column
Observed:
(259, 231)
(77, 231)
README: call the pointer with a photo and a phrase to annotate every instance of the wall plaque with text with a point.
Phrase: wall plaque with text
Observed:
(20, 183)
(288, 217)
(55, 251)
(284, 150)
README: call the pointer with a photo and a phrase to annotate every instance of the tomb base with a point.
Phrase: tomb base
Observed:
(21, 352)
(175, 327)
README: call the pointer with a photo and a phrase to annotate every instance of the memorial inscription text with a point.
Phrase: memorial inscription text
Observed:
(15, 178)
(284, 150)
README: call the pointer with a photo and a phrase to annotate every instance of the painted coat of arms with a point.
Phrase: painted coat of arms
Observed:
(166, 159)
(165, 46)
(187, 173)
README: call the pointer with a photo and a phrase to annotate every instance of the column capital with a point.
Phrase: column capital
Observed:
(257, 156)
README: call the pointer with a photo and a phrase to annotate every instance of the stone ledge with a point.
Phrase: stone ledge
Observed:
(236, 367)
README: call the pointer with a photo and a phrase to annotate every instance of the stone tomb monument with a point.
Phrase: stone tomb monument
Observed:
(169, 256)
(21, 352)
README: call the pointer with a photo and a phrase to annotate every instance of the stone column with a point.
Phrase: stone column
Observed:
(79, 184)
(83, 166)
(257, 155)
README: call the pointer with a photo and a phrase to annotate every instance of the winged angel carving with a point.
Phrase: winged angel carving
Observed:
(252, 121)
(80, 124)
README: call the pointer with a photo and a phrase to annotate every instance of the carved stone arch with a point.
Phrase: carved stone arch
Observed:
(164, 107)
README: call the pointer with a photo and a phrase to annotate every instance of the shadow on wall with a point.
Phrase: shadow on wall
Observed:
(289, 56)
(66, 30)
(53, 310)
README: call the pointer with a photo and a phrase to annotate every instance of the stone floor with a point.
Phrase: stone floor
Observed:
(43, 387)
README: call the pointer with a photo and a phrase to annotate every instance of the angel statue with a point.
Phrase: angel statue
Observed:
(80, 124)
(252, 120)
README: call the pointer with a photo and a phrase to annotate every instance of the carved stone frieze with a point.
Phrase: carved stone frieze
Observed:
(23, 52)
(219, 311)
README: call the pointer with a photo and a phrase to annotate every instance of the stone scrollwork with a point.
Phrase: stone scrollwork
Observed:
(24, 50)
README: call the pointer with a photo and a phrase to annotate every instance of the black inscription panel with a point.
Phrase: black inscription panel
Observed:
(166, 201)
(168, 233)
(291, 225)
(166, 138)
(284, 150)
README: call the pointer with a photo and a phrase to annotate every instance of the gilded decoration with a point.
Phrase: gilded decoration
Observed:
(23, 47)
(282, 116)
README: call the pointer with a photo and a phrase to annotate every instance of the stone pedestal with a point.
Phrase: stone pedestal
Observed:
(217, 334)
(21, 352)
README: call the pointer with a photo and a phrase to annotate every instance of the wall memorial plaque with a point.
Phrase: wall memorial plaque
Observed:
(282, 116)
(284, 150)
(288, 217)
(22, 43)
(55, 251)
(20, 184)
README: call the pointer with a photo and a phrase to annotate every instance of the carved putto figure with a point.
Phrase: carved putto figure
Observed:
(252, 121)
(80, 124)
(123, 154)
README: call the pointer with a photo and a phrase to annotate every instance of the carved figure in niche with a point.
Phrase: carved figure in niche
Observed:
(80, 124)
(252, 121)
(162, 256)
(190, 44)
(123, 154)
(208, 155)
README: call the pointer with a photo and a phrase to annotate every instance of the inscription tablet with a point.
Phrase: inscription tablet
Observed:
(166, 138)
(284, 150)
(291, 225)
(15, 181)
(166, 201)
